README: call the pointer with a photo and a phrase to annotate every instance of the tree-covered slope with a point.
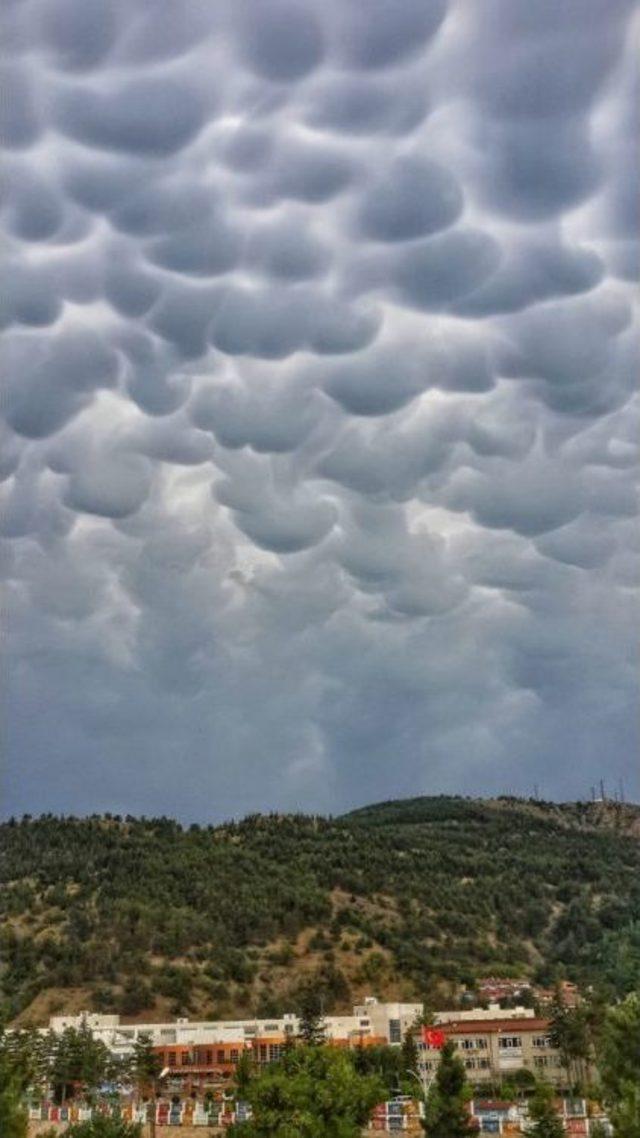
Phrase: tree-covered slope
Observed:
(404, 899)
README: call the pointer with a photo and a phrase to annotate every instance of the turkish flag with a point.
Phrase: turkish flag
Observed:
(433, 1037)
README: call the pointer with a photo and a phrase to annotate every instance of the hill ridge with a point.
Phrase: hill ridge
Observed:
(412, 898)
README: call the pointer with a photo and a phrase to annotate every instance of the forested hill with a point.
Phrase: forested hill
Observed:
(403, 899)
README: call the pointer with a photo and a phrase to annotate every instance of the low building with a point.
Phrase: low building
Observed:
(496, 988)
(566, 993)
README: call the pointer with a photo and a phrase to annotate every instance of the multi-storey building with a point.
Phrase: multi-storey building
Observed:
(384, 1022)
(493, 1043)
(494, 1047)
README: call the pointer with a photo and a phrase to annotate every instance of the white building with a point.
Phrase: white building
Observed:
(388, 1021)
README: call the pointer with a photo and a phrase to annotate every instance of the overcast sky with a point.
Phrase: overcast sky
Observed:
(320, 422)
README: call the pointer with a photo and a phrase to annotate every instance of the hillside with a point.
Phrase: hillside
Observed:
(404, 899)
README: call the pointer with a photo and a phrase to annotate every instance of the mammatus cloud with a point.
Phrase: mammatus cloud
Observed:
(320, 423)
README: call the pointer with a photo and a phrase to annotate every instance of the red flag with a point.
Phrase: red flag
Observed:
(433, 1037)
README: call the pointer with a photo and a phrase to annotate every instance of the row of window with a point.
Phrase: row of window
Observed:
(266, 1053)
(202, 1058)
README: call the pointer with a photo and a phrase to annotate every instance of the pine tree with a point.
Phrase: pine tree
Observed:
(619, 1063)
(14, 1076)
(145, 1068)
(542, 1112)
(446, 1114)
(409, 1060)
(311, 1030)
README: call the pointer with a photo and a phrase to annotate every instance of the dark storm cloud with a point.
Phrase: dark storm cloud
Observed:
(320, 426)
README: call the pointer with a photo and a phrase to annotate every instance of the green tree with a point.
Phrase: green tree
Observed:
(145, 1069)
(13, 1082)
(243, 1074)
(570, 1032)
(409, 1051)
(311, 1030)
(619, 1065)
(315, 1092)
(542, 1112)
(145, 1064)
(446, 1114)
(381, 1060)
(76, 1059)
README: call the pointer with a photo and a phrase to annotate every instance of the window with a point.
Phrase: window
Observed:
(509, 1042)
(483, 1064)
(263, 1052)
(467, 1044)
(481, 1044)
(271, 1027)
(541, 1041)
(234, 1055)
(185, 1058)
(395, 1031)
(470, 1064)
(209, 1058)
(540, 1060)
(364, 1023)
(172, 1059)
(220, 1057)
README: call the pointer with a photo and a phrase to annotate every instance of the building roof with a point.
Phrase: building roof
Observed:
(492, 1026)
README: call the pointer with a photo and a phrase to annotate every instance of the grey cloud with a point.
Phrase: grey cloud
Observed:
(536, 272)
(270, 417)
(50, 380)
(247, 149)
(79, 37)
(414, 199)
(148, 117)
(273, 517)
(103, 183)
(532, 499)
(306, 172)
(19, 126)
(286, 252)
(364, 106)
(381, 34)
(112, 486)
(26, 297)
(320, 417)
(129, 289)
(377, 382)
(436, 273)
(201, 251)
(272, 325)
(281, 41)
